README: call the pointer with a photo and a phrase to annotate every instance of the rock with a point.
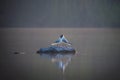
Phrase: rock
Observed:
(61, 45)
(57, 49)
(19, 52)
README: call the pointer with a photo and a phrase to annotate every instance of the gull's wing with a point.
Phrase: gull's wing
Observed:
(57, 41)
(65, 40)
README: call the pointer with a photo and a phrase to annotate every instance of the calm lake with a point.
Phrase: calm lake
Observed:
(97, 56)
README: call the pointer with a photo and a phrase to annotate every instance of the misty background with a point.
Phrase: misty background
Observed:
(92, 26)
(60, 13)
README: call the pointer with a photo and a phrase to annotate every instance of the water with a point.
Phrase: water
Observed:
(97, 58)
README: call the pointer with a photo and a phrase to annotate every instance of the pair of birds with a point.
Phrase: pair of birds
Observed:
(61, 40)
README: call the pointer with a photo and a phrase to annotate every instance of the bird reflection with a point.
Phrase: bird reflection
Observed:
(60, 59)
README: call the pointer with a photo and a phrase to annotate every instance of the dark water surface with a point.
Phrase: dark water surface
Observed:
(98, 53)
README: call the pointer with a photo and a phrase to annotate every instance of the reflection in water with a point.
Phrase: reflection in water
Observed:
(60, 52)
(60, 59)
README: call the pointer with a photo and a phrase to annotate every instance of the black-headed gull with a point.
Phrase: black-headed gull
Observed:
(61, 39)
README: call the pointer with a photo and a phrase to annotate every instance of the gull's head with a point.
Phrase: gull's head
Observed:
(61, 36)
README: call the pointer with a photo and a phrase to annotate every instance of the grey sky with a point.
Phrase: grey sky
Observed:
(60, 13)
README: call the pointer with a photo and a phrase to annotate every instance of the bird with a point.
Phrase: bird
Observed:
(61, 40)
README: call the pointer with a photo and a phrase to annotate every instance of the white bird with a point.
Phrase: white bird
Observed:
(61, 39)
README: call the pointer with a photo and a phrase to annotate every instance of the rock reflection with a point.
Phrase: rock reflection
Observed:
(60, 59)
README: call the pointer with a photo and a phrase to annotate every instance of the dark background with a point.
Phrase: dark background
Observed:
(60, 13)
